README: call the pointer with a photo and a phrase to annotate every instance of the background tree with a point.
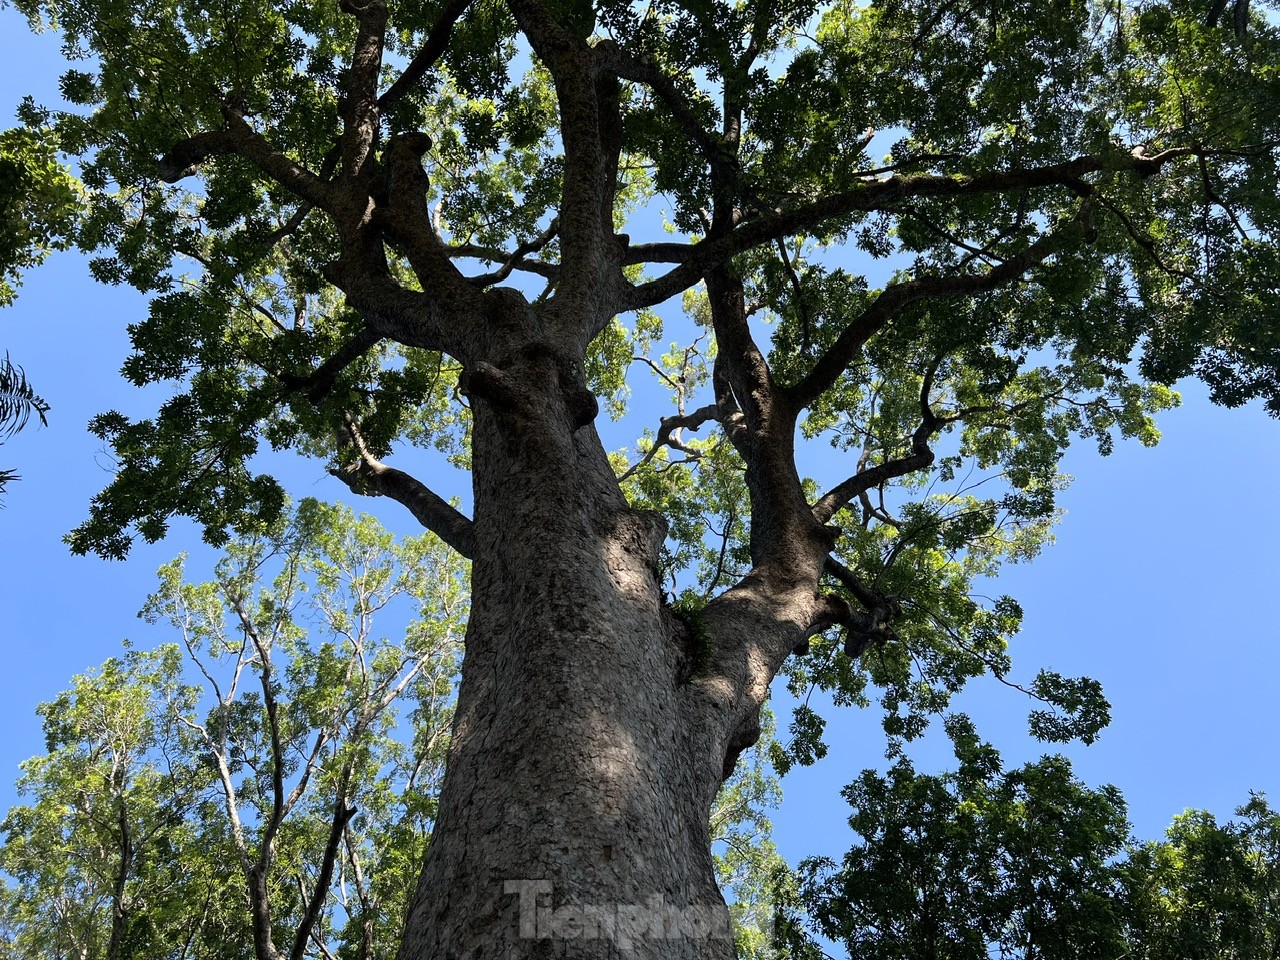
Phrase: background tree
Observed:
(1030, 863)
(975, 863)
(1208, 890)
(97, 859)
(1074, 205)
(278, 805)
(40, 203)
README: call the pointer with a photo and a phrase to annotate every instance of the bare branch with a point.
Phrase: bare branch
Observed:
(516, 259)
(666, 431)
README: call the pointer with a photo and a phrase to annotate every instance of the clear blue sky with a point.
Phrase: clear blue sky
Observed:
(1162, 583)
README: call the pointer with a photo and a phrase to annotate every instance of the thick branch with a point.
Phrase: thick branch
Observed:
(291, 175)
(368, 475)
(360, 100)
(408, 219)
(551, 41)
(395, 313)
(870, 197)
(864, 629)
(186, 156)
(590, 124)
(851, 582)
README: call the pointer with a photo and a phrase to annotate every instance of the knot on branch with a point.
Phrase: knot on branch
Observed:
(744, 736)
(583, 407)
(484, 381)
(1144, 166)
(185, 158)
(870, 626)
(403, 162)
(580, 403)
(865, 629)
(522, 386)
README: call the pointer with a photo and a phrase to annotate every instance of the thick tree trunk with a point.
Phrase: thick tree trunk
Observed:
(573, 821)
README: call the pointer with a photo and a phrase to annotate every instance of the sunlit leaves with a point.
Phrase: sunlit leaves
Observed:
(1209, 888)
(319, 662)
(40, 203)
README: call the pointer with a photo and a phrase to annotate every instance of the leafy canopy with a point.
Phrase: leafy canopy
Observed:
(946, 239)
(983, 861)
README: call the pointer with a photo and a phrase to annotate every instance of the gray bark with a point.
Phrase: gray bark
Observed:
(586, 752)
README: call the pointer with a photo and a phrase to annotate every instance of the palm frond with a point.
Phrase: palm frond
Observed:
(18, 400)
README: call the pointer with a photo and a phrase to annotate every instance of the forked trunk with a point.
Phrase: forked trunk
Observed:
(574, 817)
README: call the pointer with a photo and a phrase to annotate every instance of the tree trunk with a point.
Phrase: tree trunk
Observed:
(574, 815)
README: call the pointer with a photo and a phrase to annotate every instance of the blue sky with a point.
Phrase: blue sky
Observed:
(1161, 583)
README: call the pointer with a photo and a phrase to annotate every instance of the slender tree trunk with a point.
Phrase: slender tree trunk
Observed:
(119, 910)
(574, 814)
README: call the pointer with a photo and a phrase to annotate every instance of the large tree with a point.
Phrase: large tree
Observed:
(947, 237)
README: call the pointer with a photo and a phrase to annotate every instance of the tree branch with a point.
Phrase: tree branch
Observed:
(921, 456)
(864, 629)
(342, 814)
(185, 158)
(632, 68)
(875, 196)
(828, 368)
(395, 313)
(359, 103)
(428, 54)
(516, 259)
(320, 382)
(666, 430)
(408, 219)
(368, 475)
(255, 147)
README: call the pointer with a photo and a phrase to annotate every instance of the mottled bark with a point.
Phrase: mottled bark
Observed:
(574, 818)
